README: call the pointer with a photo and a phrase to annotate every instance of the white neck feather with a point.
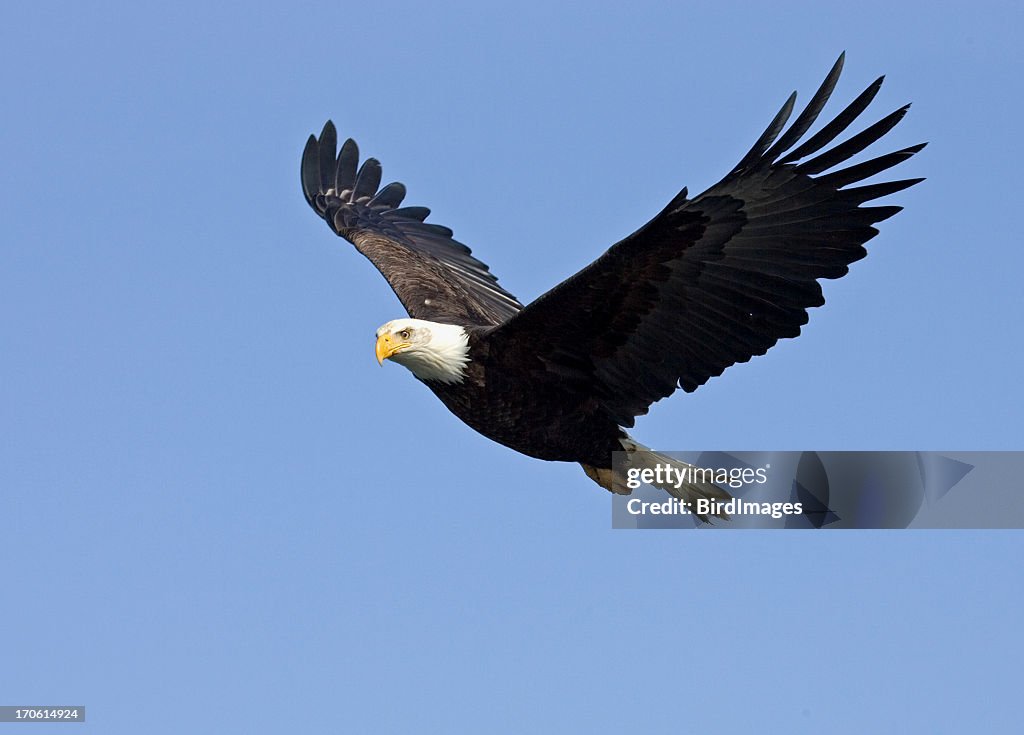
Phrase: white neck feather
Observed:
(443, 358)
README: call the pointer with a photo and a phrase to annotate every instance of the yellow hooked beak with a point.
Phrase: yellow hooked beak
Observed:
(388, 345)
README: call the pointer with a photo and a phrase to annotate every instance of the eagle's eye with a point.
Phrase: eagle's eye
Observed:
(404, 334)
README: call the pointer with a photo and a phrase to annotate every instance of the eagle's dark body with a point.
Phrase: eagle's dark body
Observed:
(709, 282)
(549, 419)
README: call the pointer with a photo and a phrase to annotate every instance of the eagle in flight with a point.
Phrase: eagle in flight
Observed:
(709, 282)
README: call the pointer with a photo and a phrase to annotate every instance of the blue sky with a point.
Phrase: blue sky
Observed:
(221, 516)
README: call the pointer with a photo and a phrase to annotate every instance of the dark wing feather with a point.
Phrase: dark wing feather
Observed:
(434, 276)
(714, 280)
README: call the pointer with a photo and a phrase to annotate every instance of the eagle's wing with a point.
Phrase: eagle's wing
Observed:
(434, 276)
(714, 280)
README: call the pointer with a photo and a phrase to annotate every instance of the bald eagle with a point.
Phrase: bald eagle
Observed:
(709, 282)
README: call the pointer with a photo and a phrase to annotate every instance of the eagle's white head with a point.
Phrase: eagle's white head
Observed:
(432, 351)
